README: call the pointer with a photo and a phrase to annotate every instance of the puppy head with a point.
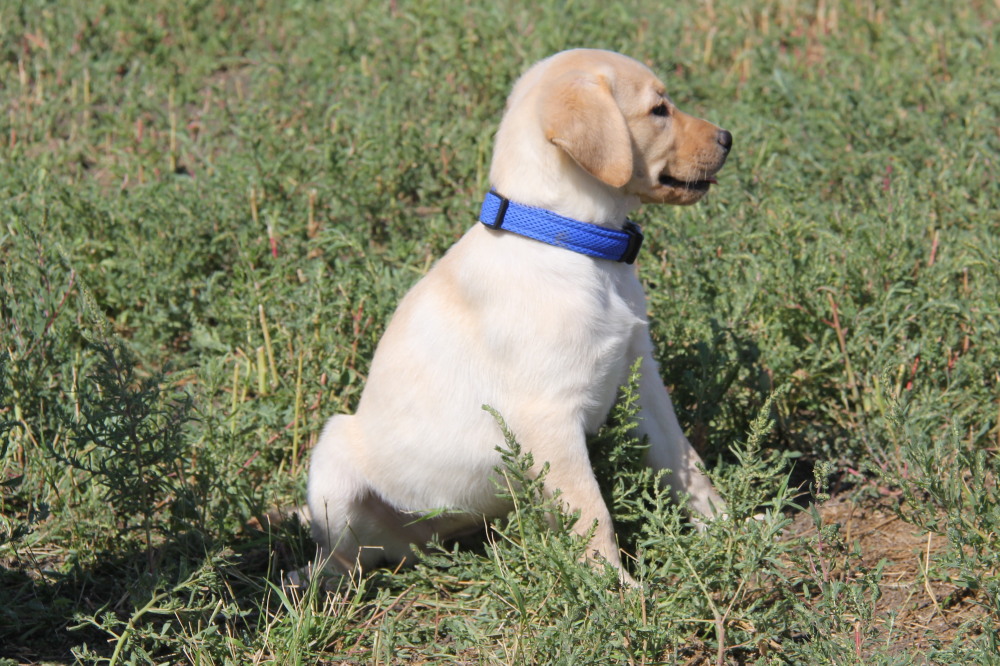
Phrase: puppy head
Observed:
(612, 116)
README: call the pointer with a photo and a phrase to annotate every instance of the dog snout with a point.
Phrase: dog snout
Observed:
(725, 139)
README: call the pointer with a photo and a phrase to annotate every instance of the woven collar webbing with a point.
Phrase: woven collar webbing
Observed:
(545, 226)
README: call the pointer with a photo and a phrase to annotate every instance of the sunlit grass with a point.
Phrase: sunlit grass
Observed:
(244, 193)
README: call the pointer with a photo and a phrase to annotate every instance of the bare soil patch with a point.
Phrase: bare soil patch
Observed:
(920, 607)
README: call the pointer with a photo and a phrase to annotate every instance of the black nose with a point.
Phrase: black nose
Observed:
(725, 139)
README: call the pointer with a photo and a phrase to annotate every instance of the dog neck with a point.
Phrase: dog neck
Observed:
(587, 201)
(501, 214)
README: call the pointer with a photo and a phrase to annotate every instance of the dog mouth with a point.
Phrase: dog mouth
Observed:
(697, 185)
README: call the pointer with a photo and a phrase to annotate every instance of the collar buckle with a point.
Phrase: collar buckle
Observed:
(497, 222)
(635, 239)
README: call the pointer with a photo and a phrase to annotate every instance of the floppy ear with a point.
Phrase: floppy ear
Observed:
(580, 116)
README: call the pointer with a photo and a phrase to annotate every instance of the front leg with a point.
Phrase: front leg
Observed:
(668, 447)
(563, 446)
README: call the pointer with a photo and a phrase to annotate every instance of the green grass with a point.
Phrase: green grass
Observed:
(209, 211)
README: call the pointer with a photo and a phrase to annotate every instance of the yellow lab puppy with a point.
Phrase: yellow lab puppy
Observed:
(535, 312)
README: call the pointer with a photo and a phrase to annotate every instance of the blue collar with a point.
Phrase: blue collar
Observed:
(542, 225)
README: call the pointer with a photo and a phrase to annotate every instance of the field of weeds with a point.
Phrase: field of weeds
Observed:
(209, 210)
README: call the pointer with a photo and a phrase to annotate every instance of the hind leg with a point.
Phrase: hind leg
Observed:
(336, 489)
(353, 526)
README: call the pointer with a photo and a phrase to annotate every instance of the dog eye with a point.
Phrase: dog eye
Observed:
(661, 109)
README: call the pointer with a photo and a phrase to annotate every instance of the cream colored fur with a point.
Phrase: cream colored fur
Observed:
(542, 334)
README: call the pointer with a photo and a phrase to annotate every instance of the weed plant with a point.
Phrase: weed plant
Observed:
(246, 191)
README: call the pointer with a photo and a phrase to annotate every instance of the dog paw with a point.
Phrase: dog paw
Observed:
(294, 580)
(626, 581)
